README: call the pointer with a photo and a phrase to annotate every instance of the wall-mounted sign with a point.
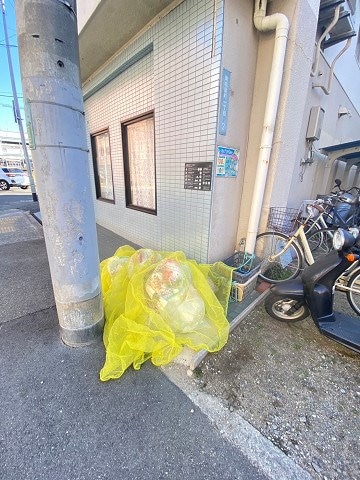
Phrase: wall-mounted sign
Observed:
(227, 162)
(198, 176)
(224, 101)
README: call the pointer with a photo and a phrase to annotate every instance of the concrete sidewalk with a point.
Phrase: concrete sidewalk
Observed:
(58, 421)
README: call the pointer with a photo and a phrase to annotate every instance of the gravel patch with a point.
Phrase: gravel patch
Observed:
(298, 388)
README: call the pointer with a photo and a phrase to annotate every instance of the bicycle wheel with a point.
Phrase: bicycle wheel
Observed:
(320, 242)
(283, 267)
(353, 294)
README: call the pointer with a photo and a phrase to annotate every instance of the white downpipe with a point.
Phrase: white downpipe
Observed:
(263, 23)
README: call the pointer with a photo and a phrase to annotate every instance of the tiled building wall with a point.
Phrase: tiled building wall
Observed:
(179, 80)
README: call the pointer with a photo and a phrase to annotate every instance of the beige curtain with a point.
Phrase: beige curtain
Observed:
(142, 163)
(104, 166)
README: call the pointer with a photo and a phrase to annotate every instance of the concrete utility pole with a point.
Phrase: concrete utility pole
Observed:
(49, 61)
(17, 113)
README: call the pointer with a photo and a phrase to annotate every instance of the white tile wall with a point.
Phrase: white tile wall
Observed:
(180, 81)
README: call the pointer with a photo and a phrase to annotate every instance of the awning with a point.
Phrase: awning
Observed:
(344, 152)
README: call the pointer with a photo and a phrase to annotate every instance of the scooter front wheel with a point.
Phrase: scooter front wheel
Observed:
(285, 309)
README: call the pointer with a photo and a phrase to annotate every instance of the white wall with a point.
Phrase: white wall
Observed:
(288, 181)
(318, 177)
(284, 161)
(345, 92)
(239, 57)
(180, 81)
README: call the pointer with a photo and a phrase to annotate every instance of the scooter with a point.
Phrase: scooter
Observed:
(313, 293)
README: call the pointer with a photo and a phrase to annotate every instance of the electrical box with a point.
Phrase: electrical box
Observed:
(315, 123)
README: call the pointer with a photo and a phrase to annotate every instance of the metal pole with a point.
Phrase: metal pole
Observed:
(49, 61)
(17, 108)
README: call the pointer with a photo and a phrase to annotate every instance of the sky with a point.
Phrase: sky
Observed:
(6, 112)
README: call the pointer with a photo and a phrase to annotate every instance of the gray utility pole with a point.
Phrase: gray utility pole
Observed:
(49, 62)
(16, 106)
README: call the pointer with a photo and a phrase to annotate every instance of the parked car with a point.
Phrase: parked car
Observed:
(13, 177)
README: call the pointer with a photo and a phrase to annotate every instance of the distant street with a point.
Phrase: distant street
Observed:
(19, 199)
(15, 195)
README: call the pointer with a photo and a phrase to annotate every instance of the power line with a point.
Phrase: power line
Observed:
(10, 96)
(11, 36)
(8, 105)
(16, 107)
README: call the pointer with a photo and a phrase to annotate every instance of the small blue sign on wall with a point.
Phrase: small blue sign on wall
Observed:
(227, 162)
(224, 101)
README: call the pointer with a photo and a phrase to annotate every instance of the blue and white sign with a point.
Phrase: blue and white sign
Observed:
(224, 101)
(227, 162)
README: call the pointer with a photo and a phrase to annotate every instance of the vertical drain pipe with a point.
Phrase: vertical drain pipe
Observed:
(280, 24)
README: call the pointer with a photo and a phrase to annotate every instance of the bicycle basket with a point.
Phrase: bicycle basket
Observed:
(283, 219)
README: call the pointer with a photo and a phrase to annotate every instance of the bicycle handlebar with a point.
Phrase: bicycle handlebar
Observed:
(318, 207)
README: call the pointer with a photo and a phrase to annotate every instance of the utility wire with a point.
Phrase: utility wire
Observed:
(17, 115)
(11, 36)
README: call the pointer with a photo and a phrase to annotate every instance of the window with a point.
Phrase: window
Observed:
(139, 163)
(100, 145)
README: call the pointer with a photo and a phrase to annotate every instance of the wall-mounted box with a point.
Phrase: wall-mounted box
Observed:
(315, 123)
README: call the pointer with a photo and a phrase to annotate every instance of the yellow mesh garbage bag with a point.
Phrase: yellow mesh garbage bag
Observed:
(110, 266)
(218, 276)
(114, 282)
(158, 302)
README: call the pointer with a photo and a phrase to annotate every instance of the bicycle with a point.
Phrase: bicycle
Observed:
(284, 255)
(339, 211)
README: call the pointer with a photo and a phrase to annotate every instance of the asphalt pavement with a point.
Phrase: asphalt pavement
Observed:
(58, 421)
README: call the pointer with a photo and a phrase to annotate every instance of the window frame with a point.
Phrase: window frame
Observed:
(96, 167)
(126, 162)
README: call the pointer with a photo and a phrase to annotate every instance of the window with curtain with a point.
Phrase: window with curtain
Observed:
(139, 163)
(100, 145)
